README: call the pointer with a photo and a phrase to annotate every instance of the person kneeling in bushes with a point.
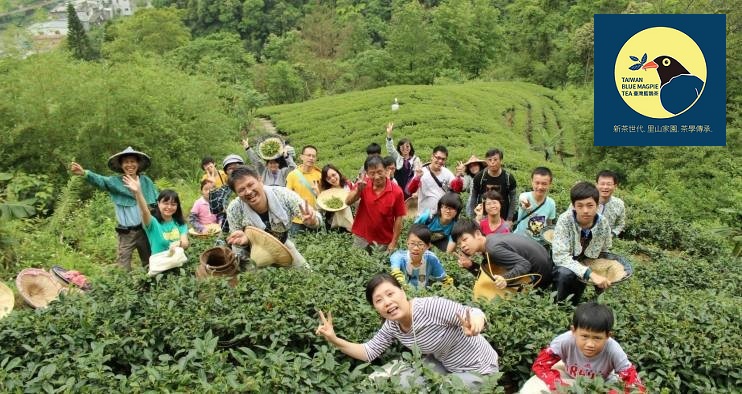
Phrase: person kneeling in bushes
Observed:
(417, 265)
(269, 208)
(446, 332)
(587, 349)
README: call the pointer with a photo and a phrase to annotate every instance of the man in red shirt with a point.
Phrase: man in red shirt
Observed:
(381, 210)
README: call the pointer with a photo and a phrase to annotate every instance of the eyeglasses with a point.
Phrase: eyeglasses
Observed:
(418, 245)
(440, 158)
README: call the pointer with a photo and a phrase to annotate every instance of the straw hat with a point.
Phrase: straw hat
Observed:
(266, 249)
(548, 234)
(335, 192)
(212, 229)
(612, 270)
(37, 287)
(411, 204)
(114, 162)
(163, 261)
(7, 300)
(474, 159)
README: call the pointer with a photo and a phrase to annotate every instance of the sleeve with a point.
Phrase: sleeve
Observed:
(290, 163)
(470, 204)
(423, 217)
(631, 379)
(457, 184)
(391, 149)
(379, 343)
(107, 183)
(437, 271)
(255, 160)
(608, 243)
(183, 229)
(551, 214)
(291, 180)
(561, 248)
(476, 183)
(542, 368)
(400, 208)
(413, 185)
(235, 218)
(512, 193)
(620, 220)
(193, 220)
(517, 265)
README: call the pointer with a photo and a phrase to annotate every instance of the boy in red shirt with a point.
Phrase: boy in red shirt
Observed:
(586, 350)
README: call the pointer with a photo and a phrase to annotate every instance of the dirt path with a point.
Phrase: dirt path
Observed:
(267, 125)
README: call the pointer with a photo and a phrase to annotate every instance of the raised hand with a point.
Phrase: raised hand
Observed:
(460, 168)
(389, 129)
(315, 186)
(307, 214)
(325, 327)
(245, 143)
(464, 260)
(132, 183)
(418, 170)
(77, 169)
(361, 181)
(472, 325)
(238, 238)
(479, 211)
(525, 203)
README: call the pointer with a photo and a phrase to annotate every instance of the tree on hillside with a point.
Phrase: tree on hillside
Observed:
(77, 40)
(415, 46)
(149, 31)
(471, 30)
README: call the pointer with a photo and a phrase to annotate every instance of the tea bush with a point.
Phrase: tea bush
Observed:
(676, 319)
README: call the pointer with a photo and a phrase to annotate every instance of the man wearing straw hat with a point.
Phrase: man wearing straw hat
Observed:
(130, 232)
(269, 208)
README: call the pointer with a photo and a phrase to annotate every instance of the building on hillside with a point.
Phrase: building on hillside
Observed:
(47, 35)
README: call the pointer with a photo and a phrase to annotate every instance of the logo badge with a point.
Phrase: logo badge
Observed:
(660, 80)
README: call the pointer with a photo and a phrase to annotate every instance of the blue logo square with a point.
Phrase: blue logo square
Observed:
(660, 80)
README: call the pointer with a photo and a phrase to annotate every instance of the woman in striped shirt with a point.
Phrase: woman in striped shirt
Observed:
(446, 332)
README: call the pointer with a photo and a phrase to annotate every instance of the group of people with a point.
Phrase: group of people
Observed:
(280, 197)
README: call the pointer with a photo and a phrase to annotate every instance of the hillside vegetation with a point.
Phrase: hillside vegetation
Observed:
(467, 118)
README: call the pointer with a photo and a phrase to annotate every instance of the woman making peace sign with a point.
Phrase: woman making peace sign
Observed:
(447, 333)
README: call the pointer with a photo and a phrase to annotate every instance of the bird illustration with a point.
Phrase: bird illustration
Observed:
(679, 89)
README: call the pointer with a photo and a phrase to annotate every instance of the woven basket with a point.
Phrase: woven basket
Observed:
(37, 287)
(218, 261)
(7, 300)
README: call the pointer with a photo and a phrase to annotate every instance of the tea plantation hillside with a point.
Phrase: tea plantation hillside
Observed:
(677, 318)
(519, 118)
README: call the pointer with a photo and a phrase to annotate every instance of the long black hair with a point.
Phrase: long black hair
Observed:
(169, 195)
(323, 178)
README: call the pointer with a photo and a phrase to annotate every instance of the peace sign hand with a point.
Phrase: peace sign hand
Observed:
(245, 143)
(460, 168)
(325, 327)
(307, 214)
(472, 325)
(389, 129)
(418, 170)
